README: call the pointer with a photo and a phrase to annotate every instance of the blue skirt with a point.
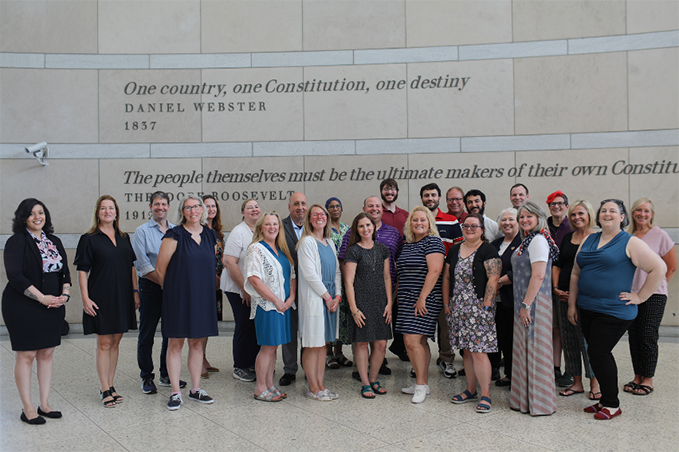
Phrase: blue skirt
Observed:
(273, 328)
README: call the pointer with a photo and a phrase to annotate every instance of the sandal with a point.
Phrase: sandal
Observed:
(642, 390)
(594, 395)
(468, 397)
(484, 406)
(367, 392)
(331, 362)
(205, 375)
(212, 369)
(107, 395)
(570, 391)
(116, 397)
(268, 396)
(343, 360)
(377, 389)
(278, 392)
(630, 387)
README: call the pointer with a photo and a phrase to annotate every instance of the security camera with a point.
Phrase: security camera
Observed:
(40, 152)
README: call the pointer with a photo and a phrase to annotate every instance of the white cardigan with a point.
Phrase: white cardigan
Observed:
(261, 263)
(310, 289)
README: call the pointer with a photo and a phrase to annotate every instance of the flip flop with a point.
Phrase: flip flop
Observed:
(639, 390)
(630, 387)
(569, 392)
(594, 395)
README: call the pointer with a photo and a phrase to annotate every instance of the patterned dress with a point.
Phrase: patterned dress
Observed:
(471, 327)
(533, 385)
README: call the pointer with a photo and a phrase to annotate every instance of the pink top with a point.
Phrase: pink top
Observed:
(660, 242)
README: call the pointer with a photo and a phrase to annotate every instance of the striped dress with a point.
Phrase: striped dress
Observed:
(533, 386)
(412, 271)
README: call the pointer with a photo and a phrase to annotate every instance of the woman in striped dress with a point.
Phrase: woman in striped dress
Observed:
(533, 386)
(420, 299)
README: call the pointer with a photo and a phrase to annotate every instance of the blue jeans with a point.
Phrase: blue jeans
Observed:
(150, 311)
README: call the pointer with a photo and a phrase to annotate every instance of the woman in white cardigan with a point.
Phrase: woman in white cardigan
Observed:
(270, 281)
(319, 296)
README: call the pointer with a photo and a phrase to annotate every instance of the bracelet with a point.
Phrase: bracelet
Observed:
(136, 291)
(355, 313)
(446, 304)
(43, 297)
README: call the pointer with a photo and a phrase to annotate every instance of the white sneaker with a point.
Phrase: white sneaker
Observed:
(420, 394)
(411, 389)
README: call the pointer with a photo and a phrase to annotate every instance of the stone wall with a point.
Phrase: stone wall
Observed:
(264, 98)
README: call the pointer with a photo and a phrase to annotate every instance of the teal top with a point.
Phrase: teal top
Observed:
(604, 273)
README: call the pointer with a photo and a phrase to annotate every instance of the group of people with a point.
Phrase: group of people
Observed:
(522, 290)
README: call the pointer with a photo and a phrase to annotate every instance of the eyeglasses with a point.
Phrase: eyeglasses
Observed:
(388, 189)
(318, 214)
(557, 204)
(454, 199)
(472, 227)
(190, 208)
(251, 207)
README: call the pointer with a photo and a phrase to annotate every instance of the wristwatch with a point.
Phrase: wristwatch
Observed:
(525, 306)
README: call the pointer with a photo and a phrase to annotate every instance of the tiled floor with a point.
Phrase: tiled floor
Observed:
(237, 422)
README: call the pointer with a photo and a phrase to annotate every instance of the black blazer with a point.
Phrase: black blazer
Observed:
(291, 239)
(23, 263)
(507, 292)
(479, 275)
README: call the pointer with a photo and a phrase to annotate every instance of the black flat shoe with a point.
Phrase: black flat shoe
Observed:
(286, 379)
(503, 382)
(52, 414)
(39, 420)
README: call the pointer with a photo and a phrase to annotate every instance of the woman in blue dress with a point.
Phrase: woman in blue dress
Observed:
(270, 281)
(186, 268)
(319, 297)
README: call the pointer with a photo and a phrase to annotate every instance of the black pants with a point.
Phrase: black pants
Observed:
(150, 311)
(245, 347)
(504, 322)
(643, 335)
(602, 332)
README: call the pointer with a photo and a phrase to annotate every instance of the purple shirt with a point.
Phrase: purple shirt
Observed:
(559, 233)
(387, 236)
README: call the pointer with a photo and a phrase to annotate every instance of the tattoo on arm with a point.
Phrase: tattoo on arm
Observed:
(493, 269)
(30, 295)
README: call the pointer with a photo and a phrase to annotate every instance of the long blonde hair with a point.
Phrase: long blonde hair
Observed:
(433, 231)
(309, 230)
(281, 244)
(632, 228)
(95, 222)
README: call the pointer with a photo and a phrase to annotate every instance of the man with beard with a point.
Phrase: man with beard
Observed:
(475, 200)
(293, 225)
(393, 240)
(455, 203)
(392, 214)
(451, 233)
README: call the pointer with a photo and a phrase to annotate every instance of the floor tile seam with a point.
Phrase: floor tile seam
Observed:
(342, 424)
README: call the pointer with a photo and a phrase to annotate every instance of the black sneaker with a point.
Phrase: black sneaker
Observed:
(200, 396)
(175, 402)
(165, 381)
(495, 374)
(148, 386)
(412, 373)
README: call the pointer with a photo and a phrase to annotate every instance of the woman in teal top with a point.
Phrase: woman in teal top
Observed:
(601, 285)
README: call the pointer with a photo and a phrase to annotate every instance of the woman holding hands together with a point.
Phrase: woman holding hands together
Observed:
(368, 290)
(320, 283)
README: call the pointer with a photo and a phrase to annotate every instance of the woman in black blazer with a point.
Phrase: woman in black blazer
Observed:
(33, 302)
(504, 311)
